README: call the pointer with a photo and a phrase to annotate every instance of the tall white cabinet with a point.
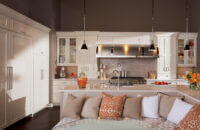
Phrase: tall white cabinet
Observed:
(24, 66)
(3, 76)
(166, 63)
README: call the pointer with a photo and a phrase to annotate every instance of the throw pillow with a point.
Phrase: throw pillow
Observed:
(132, 108)
(178, 111)
(111, 106)
(166, 103)
(91, 107)
(191, 120)
(73, 106)
(150, 107)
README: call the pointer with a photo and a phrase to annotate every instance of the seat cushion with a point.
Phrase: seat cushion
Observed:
(111, 106)
(166, 125)
(91, 107)
(73, 106)
(132, 108)
(191, 120)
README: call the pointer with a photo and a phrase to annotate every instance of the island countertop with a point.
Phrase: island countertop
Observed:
(183, 89)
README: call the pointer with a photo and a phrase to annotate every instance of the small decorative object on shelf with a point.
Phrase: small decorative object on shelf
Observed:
(62, 72)
(82, 80)
(194, 80)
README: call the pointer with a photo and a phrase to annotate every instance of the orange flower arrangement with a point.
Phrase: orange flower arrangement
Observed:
(194, 79)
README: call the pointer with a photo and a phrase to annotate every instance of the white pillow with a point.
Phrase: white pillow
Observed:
(179, 111)
(150, 107)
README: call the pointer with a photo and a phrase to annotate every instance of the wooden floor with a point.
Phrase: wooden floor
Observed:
(43, 120)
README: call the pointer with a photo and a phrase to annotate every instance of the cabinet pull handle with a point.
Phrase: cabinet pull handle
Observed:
(8, 78)
(42, 74)
(11, 81)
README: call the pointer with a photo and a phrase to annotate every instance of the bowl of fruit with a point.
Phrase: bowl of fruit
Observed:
(160, 83)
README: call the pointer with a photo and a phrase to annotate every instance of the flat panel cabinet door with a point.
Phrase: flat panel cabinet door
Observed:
(41, 82)
(21, 71)
(3, 80)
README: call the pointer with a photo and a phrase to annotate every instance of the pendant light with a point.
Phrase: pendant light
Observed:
(84, 46)
(152, 46)
(187, 47)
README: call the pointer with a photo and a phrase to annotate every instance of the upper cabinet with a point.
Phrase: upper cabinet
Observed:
(66, 51)
(166, 65)
(187, 58)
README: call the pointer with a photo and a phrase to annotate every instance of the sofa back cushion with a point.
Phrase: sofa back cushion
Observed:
(111, 106)
(150, 107)
(73, 106)
(166, 103)
(132, 108)
(179, 111)
(91, 107)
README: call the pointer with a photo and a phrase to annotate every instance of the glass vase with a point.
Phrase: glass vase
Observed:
(193, 87)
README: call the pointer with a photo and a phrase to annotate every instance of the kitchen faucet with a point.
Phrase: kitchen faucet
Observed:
(118, 77)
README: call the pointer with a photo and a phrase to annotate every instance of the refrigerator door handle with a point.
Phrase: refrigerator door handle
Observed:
(11, 81)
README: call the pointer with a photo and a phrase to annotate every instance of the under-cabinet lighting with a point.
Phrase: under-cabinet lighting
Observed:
(126, 49)
(99, 48)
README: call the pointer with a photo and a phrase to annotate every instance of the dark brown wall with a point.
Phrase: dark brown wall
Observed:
(195, 24)
(123, 15)
(104, 15)
(44, 11)
(21, 6)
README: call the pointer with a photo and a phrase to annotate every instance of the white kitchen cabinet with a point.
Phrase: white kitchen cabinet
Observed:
(5, 22)
(3, 75)
(167, 56)
(21, 28)
(70, 55)
(66, 51)
(24, 66)
(20, 82)
(87, 61)
(187, 58)
(41, 70)
(16, 76)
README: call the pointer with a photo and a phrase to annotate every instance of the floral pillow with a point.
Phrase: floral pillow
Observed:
(191, 121)
(111, 106)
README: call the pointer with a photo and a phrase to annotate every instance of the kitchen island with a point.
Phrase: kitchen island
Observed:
(179, 89)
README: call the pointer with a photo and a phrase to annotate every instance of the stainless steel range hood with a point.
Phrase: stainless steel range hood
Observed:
(125, 51)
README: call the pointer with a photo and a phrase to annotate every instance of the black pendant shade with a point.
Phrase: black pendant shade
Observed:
(187, 47)
(157, 51)
(152, 47)
(97, 50)
(84, 46)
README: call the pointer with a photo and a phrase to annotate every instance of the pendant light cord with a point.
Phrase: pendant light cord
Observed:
(187, 18)
(152, 18)
(84, 13)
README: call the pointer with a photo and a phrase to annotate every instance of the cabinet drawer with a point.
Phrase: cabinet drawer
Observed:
(5, 22)
(64, 83)
(57, 88)
(22, 28)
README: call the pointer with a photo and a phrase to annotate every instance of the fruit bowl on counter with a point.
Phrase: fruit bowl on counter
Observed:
(161, 84)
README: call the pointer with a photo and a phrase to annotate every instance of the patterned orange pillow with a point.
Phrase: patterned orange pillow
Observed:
(111, 106)
(191, 121)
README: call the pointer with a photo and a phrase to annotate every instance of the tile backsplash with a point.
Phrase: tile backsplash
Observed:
(134, 67)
